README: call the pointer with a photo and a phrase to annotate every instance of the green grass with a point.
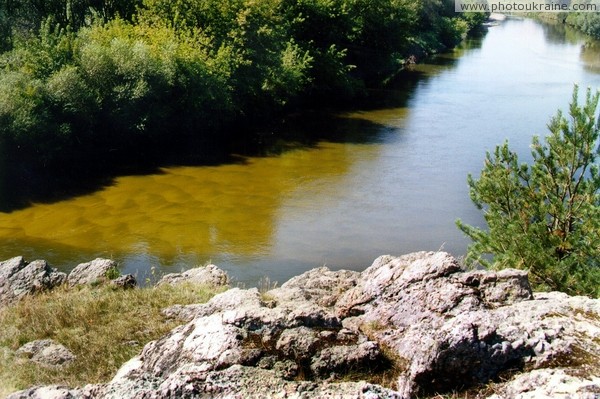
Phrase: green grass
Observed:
(102, 326)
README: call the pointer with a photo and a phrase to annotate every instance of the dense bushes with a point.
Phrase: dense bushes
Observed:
(588, 22)
(102, 78)
(113, 86)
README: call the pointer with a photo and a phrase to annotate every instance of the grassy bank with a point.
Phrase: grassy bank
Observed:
(102, 326)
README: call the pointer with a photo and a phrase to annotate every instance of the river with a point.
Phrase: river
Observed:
(386, 180)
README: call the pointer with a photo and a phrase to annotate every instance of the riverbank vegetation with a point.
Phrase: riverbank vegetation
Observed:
(586, 22)
(86, 84)
(103, 327)
(545, 217)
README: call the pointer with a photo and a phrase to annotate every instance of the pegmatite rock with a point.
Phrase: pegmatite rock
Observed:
(407, 326)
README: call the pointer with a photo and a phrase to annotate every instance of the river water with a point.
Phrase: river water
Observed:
(387, 180)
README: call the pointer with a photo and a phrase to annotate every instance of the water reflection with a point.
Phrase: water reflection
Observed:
(588, 48)
(590, 55)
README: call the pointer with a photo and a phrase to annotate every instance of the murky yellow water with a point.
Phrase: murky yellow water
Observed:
(184, 210)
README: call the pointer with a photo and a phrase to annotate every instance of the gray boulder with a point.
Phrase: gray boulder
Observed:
(94, 272)
(240, 343)
(19, 278)
(448, 329)
(209, 275)
(47, 353)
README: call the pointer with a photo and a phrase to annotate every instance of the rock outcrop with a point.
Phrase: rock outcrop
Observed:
(407, 326)
(19, 278)
(125, 281)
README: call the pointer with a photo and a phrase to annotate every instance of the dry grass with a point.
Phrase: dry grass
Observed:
(477, 392)
(102, 326)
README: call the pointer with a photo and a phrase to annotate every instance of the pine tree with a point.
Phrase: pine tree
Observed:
(544, 217)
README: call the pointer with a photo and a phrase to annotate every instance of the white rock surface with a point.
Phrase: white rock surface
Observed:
(418, 320)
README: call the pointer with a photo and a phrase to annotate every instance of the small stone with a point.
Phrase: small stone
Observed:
(540, 348)
(47, 353)
(125, 281)
(287, 369)
(209, 275)
(297, 343)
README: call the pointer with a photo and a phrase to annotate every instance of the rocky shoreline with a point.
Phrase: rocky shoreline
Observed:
(410, 326)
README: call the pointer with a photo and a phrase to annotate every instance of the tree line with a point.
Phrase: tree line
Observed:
(89, 81)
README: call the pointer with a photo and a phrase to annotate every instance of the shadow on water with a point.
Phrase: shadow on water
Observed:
(559, 33)
(303, 129)
(20, 190)
(344, 125)
(23, 187)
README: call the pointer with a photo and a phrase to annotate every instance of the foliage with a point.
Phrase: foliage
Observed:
(102, 326)
(115, 85)
(112, 273)
(97, 81)
(146, 78)
(20, 17)
(545, 217)
(588, 22)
